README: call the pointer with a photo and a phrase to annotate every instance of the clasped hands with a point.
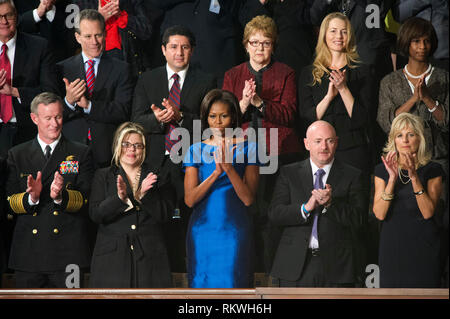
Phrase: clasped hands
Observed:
(110, 9)
(34, 187)
(168, 114)
(319, 197)
(421, 92)
(75, 92)
(223, 156)
(249, 96)
(146, 185)
(408, 159)
(338, 82)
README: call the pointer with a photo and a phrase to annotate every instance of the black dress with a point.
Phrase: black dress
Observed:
(409, 244)
(353, 145)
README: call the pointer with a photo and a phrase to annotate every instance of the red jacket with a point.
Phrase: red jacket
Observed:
(279, 93)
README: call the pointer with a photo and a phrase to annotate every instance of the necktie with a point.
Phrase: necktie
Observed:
(174, 96)
(90, 76)
(48, 152)
(90, 80)
(6, 110)
(318, 184)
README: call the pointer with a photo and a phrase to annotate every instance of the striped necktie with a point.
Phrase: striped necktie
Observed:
(90, 80)
(6, 110)
(174, 96)
(90, 76)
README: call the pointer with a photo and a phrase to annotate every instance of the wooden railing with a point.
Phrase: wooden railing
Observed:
(257, 293)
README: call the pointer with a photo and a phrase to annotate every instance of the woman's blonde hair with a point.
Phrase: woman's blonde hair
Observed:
(123, 131)
(263, 24)
(415, 123)
(322, 58)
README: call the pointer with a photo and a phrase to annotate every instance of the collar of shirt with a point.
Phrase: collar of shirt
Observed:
(42, 144)
(97, 62)
(326, 168)
(181, 74)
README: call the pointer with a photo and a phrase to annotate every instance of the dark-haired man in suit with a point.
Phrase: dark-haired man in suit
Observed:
(168, 97)
(26, 69)
(98, 90)
(320, 202)
(48, 182)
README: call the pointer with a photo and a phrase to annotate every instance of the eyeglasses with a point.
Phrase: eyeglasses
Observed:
(256, 43)
(138, 146)
(10, 16)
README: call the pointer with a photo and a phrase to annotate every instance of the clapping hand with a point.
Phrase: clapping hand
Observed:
(121, 189)
(56, 186)
(248, 94)
(34, 186)
(110, 9)
(168, 104)
(44, 6)
(148, 184)
(322, 196)
(162, 115)
(409, 164)
(338, 78)
(391, 164)
(74, 90)
(223, 156)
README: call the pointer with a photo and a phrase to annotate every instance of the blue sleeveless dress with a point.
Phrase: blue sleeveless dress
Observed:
(220, 238)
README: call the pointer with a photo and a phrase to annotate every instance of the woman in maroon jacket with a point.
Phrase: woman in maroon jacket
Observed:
(267, 95)
(266, 89)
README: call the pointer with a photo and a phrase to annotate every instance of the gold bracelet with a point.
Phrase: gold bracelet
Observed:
(387, 197)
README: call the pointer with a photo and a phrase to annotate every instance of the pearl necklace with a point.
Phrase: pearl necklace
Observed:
(400, 175)
(416, 76)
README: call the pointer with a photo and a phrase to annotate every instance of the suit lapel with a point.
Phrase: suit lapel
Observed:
(335, 174)
(187, 85)
(104, 69)
(305, 179)
(19, 58)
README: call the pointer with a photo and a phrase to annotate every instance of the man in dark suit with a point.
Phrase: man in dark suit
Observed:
(26, 69)
(98, 90)
(320, 202)
(48, 181)
(156, 108)
(217, 25)
(48, 19)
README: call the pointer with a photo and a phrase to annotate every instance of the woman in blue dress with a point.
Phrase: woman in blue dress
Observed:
(221, 179)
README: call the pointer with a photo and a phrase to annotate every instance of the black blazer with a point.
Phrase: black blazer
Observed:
(152, 87)
(48, 237)
(346, 213)
(111, 103)
(33, 72)
(130, 251)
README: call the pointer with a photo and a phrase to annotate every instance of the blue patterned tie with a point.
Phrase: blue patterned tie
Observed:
(318, 184)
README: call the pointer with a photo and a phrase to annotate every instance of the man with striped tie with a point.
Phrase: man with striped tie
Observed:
(165, 98)
(98, 90)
